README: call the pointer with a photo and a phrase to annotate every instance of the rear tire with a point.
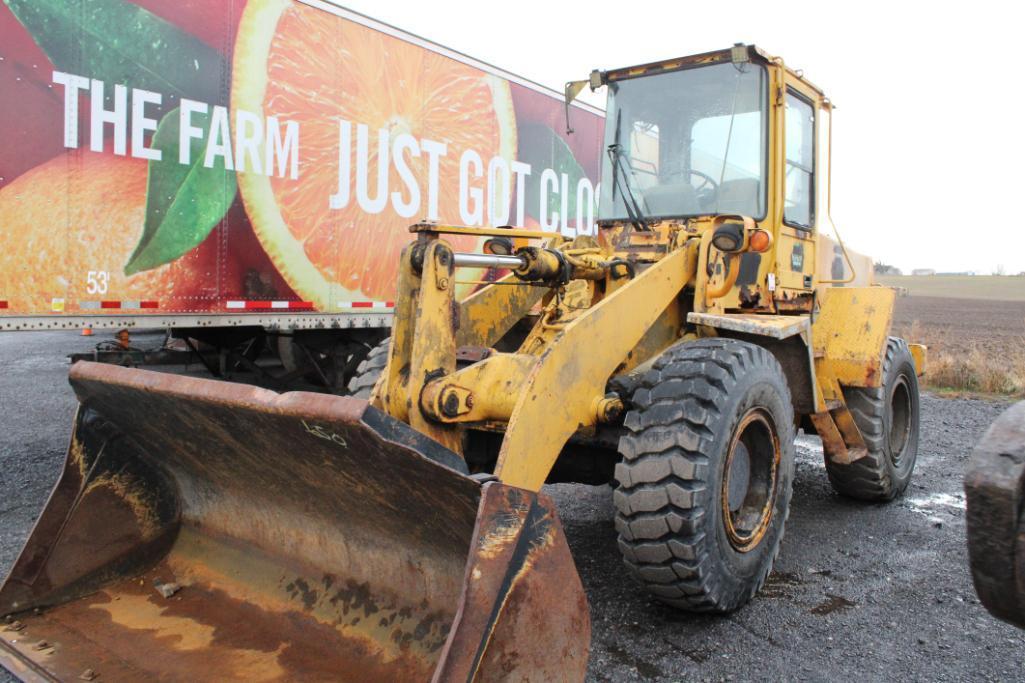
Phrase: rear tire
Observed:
(888, 418)
(369, 370)
(704, 485)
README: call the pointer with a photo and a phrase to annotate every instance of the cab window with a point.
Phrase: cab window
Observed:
(686, 143)
(799, 204)
(644, 154)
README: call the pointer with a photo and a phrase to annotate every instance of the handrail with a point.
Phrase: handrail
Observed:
(829, 206)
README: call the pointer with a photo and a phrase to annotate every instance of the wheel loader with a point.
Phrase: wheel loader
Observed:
(207, 530)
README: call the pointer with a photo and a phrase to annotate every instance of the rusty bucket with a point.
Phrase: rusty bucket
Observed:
(995, 516)
(203, 530)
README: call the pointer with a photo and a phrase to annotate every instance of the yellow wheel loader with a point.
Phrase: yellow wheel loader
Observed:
(205, 530)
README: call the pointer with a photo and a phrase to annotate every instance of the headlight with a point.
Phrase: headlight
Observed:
(728, 237)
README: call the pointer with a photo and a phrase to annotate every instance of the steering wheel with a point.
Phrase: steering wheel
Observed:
(707, 180)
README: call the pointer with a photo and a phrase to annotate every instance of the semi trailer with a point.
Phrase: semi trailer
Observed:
(231, 171)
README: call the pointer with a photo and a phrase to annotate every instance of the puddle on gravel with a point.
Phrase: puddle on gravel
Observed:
(949, 504)
(832, 603)
(809, 451)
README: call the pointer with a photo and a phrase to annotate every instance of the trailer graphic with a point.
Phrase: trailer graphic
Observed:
(219, 164)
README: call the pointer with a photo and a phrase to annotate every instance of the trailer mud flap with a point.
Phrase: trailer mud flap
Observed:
(207, 530)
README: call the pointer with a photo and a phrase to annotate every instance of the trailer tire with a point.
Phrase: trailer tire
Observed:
(888, 418)
(705, 481)
(325, 358)
(369, 370)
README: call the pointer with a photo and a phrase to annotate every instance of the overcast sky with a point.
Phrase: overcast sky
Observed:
(929, 136)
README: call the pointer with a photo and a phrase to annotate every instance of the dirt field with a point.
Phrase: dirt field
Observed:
(974, 327)
(990, 287)
(961, 325)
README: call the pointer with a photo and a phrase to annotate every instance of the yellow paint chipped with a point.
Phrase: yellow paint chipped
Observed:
(201, 560)
(138, 613)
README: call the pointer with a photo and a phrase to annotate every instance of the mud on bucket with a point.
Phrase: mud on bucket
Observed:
(203, 529)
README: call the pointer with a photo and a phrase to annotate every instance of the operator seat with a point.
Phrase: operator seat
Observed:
(671, 199)
(741, 196)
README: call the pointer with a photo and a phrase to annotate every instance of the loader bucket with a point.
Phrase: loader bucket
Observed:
(995, 516)
(203, 530)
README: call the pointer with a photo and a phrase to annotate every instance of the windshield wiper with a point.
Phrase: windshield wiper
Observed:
(633, 209)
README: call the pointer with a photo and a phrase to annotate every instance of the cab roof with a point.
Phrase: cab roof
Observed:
(737, 53)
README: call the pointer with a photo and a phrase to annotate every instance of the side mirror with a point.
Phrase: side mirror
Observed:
(573, 89)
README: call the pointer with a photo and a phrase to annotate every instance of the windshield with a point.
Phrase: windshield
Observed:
(686, 143)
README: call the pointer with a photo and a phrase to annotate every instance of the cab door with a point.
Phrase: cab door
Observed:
(795, 253)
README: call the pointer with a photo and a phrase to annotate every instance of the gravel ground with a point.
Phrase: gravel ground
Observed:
(860, 592)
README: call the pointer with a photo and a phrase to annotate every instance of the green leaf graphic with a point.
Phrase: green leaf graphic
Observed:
(542, 148)
(183, 202)
(121, 43)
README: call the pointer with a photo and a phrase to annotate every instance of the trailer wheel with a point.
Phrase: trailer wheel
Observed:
(326, 359)
(888, 418)
(369, 370)
(704, 485)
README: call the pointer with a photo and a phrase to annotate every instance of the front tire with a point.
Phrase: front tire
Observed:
(888, 418)
(370, 370)
(705, 482)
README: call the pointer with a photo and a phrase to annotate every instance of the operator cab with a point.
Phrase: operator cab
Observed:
(687, 143)
(690, 138)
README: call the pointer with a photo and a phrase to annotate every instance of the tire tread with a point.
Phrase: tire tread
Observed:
(369, 370)
(667, 451)
(869, 478)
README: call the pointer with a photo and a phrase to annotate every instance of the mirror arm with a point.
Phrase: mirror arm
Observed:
(573, 89)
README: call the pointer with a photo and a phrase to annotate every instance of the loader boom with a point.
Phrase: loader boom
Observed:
(544, 392)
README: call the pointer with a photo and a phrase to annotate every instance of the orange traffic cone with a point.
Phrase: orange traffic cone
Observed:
(87, 331)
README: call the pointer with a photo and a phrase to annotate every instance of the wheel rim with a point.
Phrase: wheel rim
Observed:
(900, 419)
(749, 480)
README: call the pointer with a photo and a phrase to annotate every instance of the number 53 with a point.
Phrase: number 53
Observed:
(96, 282)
